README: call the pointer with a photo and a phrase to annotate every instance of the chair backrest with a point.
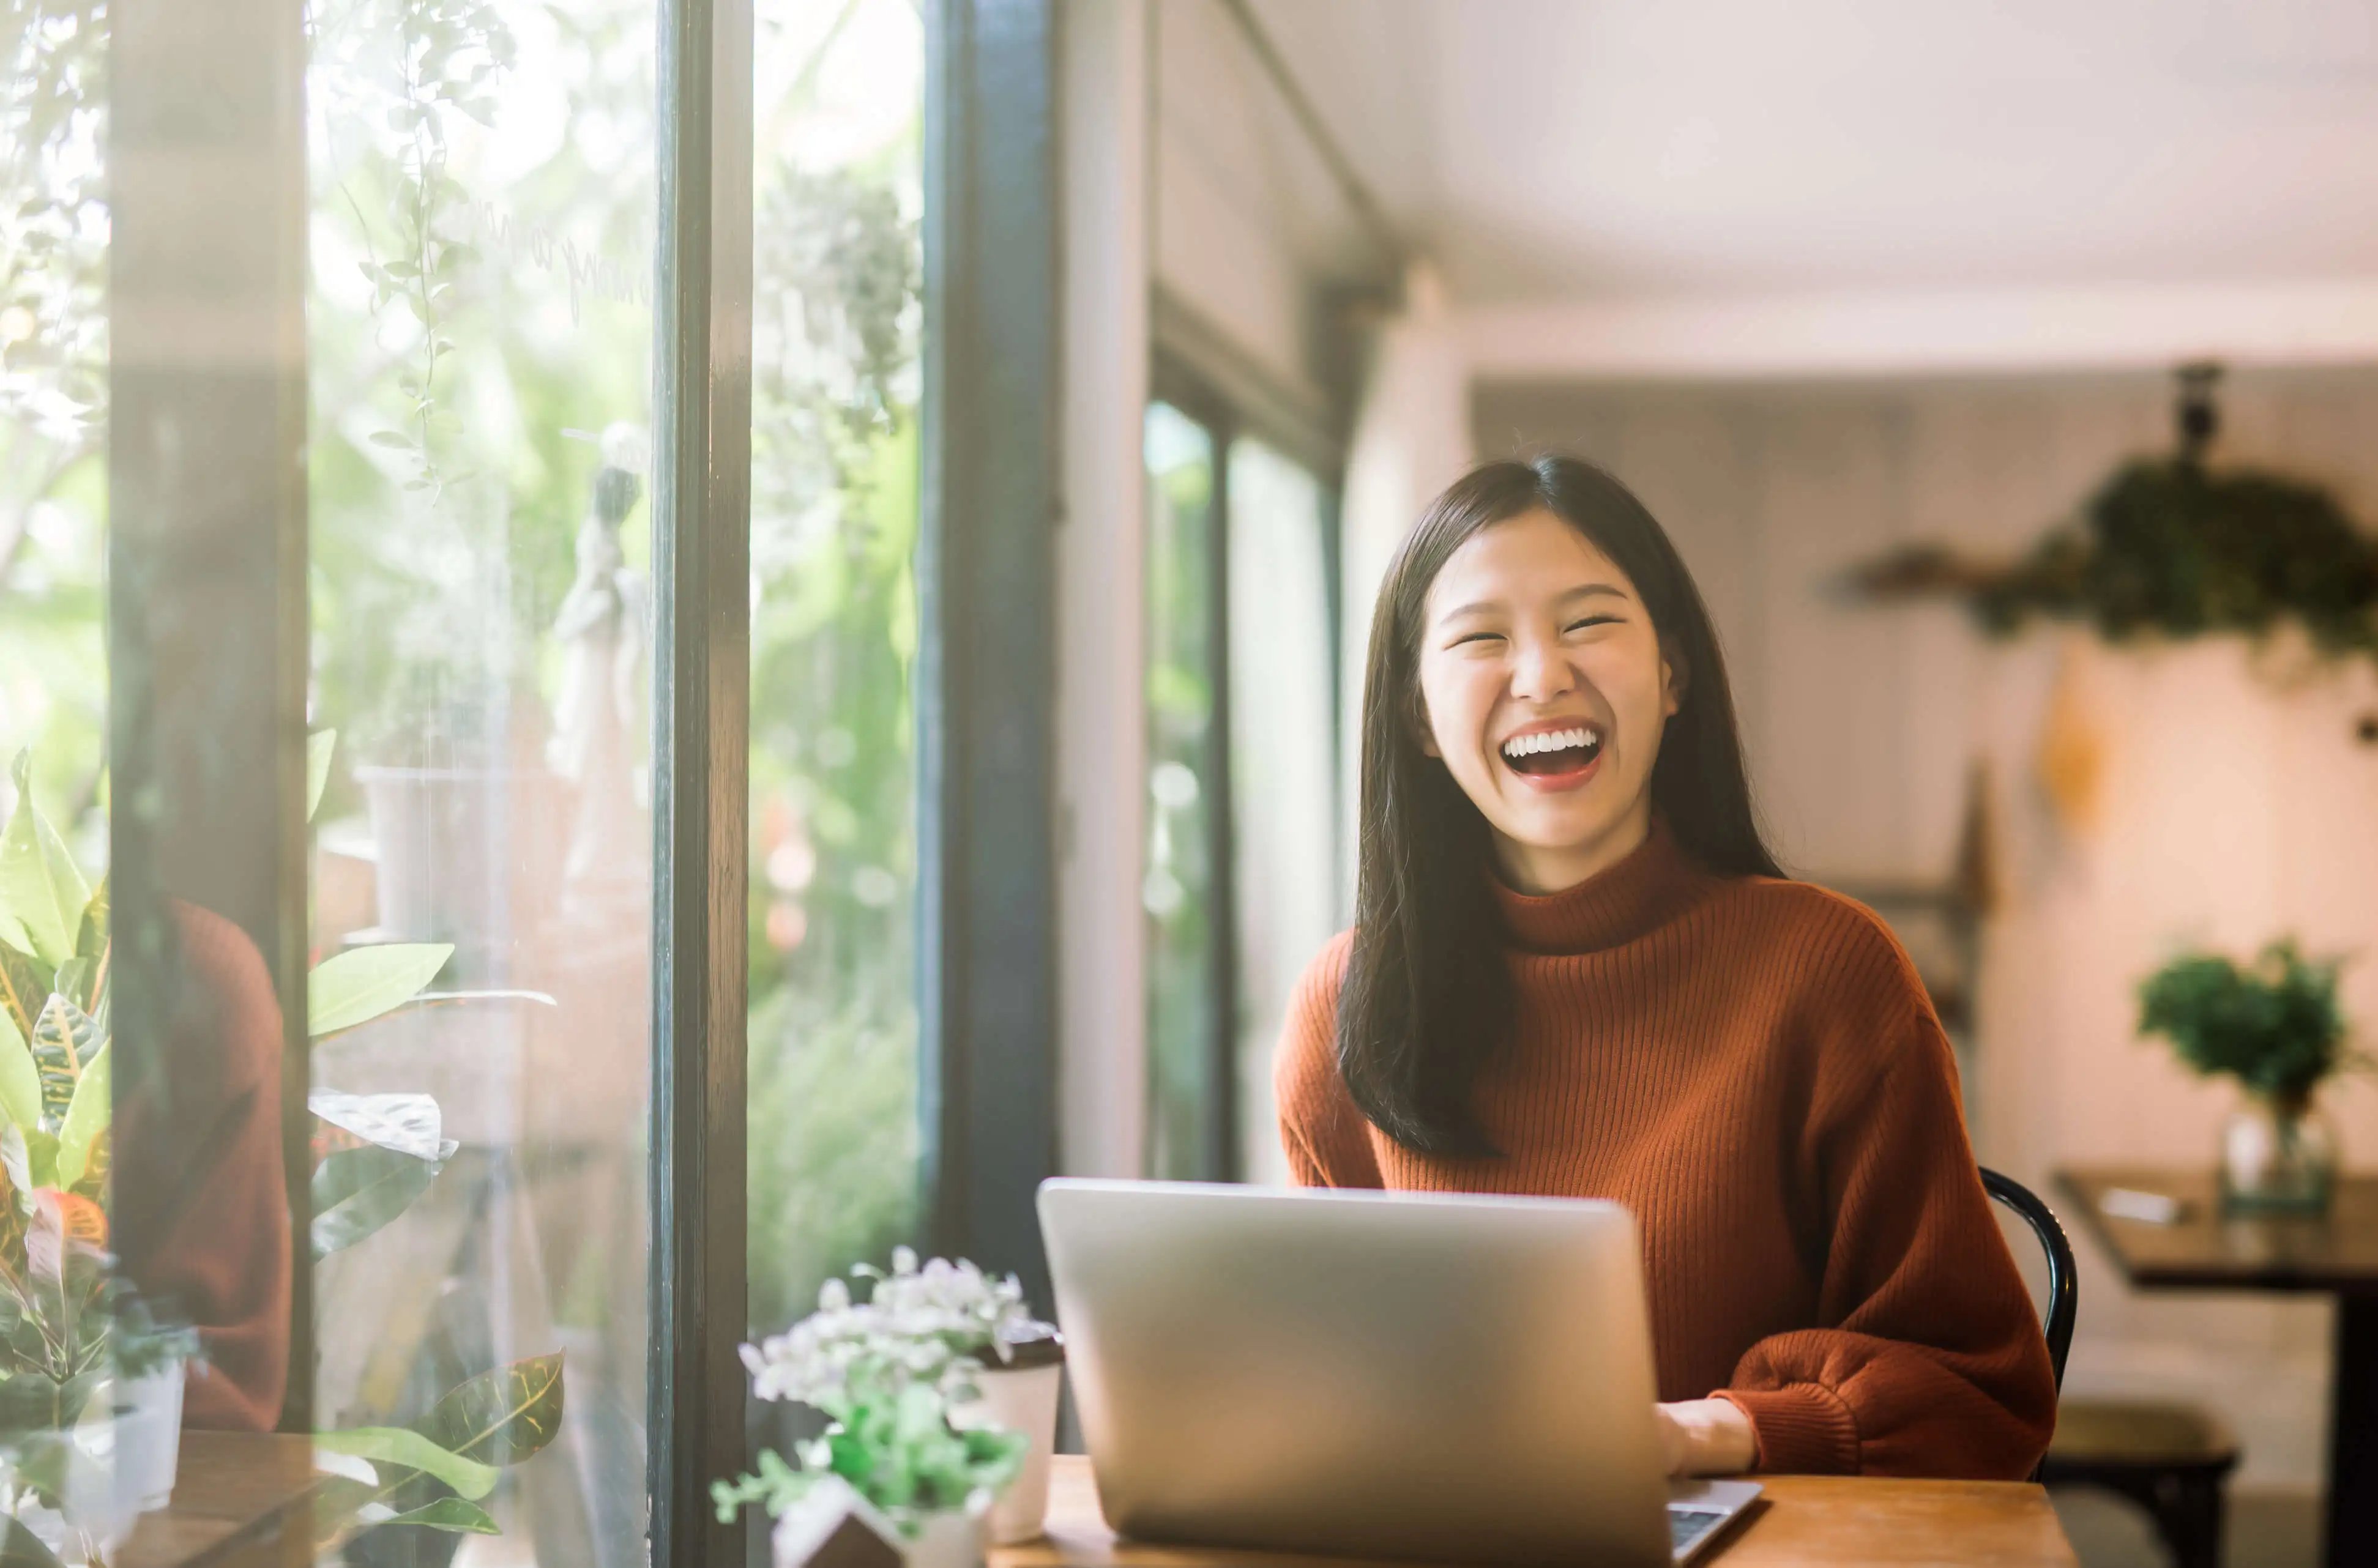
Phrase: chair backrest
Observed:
(2063, 1290)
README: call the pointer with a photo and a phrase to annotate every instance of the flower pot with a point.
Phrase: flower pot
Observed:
(946, 1540)
(1020, 1394)
(149, 1436)
(2278, 1154)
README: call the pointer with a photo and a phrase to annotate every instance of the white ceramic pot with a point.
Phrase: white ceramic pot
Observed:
(946, 1540)
(149, 1437)
(1022, 1399)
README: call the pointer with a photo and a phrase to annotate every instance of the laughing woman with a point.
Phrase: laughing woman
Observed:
(1576, 970)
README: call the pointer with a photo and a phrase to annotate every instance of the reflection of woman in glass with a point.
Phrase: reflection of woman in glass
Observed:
(1576, 971)
(201, 1206)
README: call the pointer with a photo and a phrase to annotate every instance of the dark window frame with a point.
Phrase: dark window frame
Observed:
(986, 681)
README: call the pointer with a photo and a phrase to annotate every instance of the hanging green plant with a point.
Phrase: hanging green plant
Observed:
(2167, 546)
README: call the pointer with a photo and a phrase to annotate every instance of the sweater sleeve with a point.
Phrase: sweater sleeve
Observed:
(1326, 1136)
(1933, 1364)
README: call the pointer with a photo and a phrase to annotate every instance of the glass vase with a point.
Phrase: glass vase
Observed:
(2278, 1154)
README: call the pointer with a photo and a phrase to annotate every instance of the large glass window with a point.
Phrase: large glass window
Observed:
(479, 338)
(1283, 764)
(53, 411)
(1240, 881)
(835, 484)
(1188, 997)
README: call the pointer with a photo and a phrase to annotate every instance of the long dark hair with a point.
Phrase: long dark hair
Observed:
(1428, 999)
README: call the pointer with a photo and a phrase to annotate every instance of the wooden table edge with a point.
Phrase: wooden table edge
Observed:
(2009, 1523)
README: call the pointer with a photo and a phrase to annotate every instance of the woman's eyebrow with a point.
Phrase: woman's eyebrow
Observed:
(1582, 591)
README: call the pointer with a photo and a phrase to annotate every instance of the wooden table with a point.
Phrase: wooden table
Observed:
(2335, 1253)
(237, 1501)
(1799, 1522)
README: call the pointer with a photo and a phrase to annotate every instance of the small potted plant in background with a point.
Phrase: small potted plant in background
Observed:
(2274, 1025)
(898, 1376)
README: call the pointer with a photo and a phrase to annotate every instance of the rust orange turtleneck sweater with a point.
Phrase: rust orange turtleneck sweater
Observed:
(1751, 1067)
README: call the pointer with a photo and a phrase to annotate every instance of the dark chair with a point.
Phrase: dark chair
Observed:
(2172, 1460)
(2063, 1289)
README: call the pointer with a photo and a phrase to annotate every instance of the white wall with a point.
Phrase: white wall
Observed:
(1101, 708)
(1247, 221)
(2233, 807)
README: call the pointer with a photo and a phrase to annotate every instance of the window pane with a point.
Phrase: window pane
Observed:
(53, 414)
(480, 342)
(1178, 877)
(835, 484)
(1283, 764)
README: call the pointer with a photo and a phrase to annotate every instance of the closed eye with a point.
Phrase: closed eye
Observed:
(1475, 637)
(1594, 620)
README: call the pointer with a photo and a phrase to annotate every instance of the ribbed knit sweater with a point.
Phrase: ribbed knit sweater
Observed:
(1751, 1067)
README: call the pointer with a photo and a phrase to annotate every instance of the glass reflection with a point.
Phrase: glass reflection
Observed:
(1176, 885)
(479, 336)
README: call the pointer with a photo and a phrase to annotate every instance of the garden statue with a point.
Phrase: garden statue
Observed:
(599, 716)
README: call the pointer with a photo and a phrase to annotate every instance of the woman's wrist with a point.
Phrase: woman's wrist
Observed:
(1707, 1437)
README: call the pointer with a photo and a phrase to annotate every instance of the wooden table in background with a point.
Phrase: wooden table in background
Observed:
(2336, 1253)
(1801, 1522)
(234, 1495)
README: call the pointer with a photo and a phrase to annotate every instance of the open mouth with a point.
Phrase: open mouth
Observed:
(1552, 754)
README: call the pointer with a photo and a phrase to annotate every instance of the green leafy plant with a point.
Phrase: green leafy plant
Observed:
(886, 1373)
(437, 1471)
(68, 1321)
(2274, 1025)
(2172, 549)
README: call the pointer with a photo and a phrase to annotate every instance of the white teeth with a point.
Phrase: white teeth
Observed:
(1551, 740)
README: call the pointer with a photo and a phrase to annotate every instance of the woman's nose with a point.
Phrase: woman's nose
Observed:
(1541, 670)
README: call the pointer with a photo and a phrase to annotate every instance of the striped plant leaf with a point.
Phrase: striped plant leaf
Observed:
(24, 987)
(502, 1416)
(65, 1039)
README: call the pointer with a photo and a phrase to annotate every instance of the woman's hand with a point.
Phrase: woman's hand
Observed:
(1706, 1437)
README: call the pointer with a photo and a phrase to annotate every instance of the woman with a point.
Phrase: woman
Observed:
(1576, 970)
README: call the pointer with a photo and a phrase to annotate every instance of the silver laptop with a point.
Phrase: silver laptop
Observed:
(1392, 1374)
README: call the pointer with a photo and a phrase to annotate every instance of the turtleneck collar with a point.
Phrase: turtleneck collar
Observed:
(1651, 886)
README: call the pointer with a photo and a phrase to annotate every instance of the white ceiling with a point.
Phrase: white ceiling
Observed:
(1552, 148)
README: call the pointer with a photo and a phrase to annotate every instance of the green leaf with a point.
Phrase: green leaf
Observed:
(73, 980)
(408, 1124)
(41, 1157)
(402, 1446)
(357, 985)
(356, 1191)
(390, 438)
(449, 1513)
(20, 1083)
(91, 937)
(502, 1416)
(65, 1039)
(41, 894)
(86, 1117)
(24, 987)
(318, 747)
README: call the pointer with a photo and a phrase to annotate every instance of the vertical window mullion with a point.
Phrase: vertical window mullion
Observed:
(701, 573)
(206, 599)
(987, 674)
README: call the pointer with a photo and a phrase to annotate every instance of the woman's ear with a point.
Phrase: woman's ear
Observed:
(1674, 680)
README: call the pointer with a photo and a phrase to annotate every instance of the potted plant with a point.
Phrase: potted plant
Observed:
(91, 1373)
(2274, 1025)
(891, 1374)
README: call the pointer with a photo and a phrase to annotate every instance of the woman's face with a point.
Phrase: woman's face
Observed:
(1545, 692)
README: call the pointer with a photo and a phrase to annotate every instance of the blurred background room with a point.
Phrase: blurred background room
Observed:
(2006, 374)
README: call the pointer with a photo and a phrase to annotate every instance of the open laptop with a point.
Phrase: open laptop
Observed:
(1394, 1374)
